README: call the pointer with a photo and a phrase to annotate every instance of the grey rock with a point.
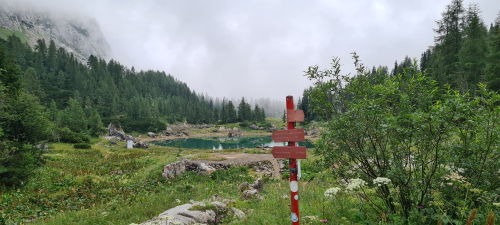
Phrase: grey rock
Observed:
(152, 135)
(141, 144)
(220, 208)
(199, 216)
(254, 127)
(244, 186)
(272, 129)
(258, 185)
(113, 131)
(237, 213)
(249, 194)
(175, 169)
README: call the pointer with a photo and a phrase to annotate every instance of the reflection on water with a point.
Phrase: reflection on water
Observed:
(219, 143)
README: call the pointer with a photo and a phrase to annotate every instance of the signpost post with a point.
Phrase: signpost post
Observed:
(291, 152)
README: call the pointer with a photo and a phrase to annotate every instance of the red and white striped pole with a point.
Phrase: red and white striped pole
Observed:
(294, 185)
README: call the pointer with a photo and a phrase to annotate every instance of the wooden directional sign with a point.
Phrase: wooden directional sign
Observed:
(293, 115)
(289, 152)
(288, 135)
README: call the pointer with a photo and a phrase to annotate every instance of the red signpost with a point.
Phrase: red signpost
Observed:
(288, 135)
(291, 152)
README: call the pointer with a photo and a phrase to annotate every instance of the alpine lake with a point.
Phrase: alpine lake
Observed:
(219, 143)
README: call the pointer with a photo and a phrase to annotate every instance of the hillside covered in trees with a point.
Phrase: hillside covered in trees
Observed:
(466, 52)
(140, 101)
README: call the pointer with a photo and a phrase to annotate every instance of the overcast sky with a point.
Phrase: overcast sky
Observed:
(261, 48)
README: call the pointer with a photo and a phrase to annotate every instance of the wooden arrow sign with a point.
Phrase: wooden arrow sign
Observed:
(294, 115)
(289, 152)
(288, 135)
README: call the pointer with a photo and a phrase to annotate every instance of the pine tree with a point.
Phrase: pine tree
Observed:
(472, 55)
(448, 44)
(232, 116)
(244, 111)
(74, 118)
(493, 58)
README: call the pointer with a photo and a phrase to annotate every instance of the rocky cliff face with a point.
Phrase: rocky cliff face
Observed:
(80, 36)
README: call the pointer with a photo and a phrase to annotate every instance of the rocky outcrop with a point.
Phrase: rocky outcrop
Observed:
(234, 132)
(255, 127)
(77, 34)
(209, 211)
(251, 191)
(272, 129)
(114, 132)
(176, 169)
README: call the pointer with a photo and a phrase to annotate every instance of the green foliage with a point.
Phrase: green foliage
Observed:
(244, 124)
(472, 55)
(81, 146)
(22, 125)
(493, 59)
(411, 131)
(68, 136)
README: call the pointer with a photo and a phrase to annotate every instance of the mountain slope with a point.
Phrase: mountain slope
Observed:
(78, 35)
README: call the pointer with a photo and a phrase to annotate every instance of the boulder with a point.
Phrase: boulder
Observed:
(152, 135)
(141, 144)
(272, 129)
(175, 169)
(113, 131)
(251, 191)
(258, 185)
(249, 194)
(222, 129)
(254, 127)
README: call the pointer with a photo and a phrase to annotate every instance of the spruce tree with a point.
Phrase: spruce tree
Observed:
(472, 55)
(448, 44)
(493, 58)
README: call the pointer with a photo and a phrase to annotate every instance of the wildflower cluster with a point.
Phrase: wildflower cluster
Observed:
(331, 192)
(455, 177)
(355, 184)
(381, 181)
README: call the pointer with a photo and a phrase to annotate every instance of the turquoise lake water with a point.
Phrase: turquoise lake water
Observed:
(219, 143)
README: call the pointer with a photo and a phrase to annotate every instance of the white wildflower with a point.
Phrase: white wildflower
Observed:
(355, 184)
(381, 180)
(496, 204)
(331, 192)
(177, 200)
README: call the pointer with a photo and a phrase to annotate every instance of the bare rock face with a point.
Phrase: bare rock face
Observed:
(77, 34)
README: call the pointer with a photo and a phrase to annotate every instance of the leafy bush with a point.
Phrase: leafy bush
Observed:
(130, 125)
(68, 136)
(244, 124)
(437, 146)
(81, 146)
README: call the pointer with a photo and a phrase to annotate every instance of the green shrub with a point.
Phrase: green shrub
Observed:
(244, 124)
(81, 146)
(68, 136)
